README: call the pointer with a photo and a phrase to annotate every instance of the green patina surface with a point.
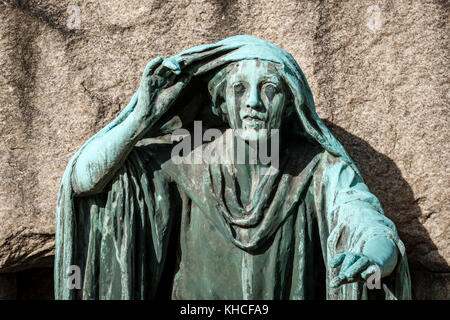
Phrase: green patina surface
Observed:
(141, 226)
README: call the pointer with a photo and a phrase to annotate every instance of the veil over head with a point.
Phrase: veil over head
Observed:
(209, 58)
(210, 61)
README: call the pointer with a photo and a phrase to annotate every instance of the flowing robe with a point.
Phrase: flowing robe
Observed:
(193, 231)
(161, 229)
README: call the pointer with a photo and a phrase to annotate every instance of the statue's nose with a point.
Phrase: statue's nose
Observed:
(254, 102)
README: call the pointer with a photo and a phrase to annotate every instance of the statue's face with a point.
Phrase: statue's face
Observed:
(255, 98)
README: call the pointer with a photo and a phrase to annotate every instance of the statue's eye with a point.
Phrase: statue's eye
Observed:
(270, 90)
(239, 89)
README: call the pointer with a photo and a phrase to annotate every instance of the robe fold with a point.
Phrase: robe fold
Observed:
(189, 231)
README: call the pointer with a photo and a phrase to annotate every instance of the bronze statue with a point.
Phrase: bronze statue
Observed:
(142, 224)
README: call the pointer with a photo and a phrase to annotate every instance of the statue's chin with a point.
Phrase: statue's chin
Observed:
(252, 134)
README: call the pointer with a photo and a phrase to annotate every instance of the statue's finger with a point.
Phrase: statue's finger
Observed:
(172, 64)
(348, 261)
(336, 282)
(162, 71)
(177, 86)
(169, 69)
(344, 279)
(356, 267)
(152, 65)
(178, 81)
(337, 260)
(170, 94)
(369, 271)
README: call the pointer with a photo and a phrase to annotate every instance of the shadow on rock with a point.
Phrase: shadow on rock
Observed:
(430, 273)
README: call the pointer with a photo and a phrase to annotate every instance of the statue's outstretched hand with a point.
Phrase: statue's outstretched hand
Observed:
(379, 254)
(354, 267)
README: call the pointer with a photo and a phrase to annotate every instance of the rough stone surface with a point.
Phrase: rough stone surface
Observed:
(378, 71)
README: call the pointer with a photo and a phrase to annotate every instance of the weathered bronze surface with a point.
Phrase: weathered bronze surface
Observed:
(141, 224)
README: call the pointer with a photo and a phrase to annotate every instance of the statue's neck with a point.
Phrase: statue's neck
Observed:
(251, 162)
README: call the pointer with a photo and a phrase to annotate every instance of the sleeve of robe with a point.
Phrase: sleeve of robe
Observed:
(117, 238)
(348, 216)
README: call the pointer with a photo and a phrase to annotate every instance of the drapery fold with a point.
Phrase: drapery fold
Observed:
(118, 238)
(351, 215)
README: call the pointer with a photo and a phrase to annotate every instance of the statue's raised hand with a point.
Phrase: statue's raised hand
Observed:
(161, 84)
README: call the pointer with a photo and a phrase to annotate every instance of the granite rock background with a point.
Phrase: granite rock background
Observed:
(378, 71)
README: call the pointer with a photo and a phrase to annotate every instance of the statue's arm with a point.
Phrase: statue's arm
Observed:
(101, 157)
(357, 214)
(99, 160)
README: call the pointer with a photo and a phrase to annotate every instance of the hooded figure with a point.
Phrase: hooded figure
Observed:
(140, 226)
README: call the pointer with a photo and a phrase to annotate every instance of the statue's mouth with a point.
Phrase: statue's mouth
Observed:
(254, 121)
